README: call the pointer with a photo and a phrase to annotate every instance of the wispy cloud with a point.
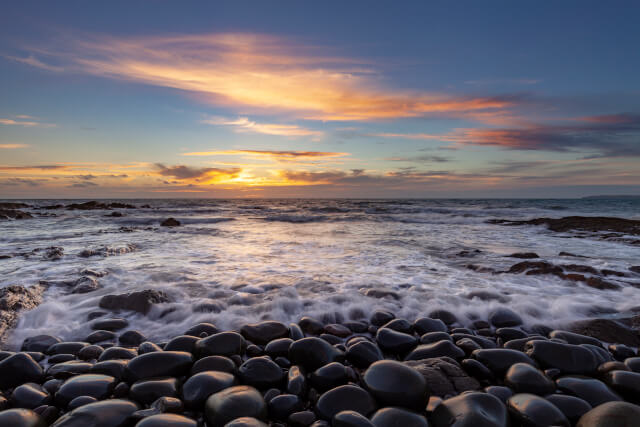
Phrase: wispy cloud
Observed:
(278, 155)
(243, 124)
(182, 172)
(32, 167)
(261, 72)
(35, 62)
(13, 146)
(25, 121)
(420, 159)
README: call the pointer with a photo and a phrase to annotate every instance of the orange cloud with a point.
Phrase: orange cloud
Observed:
(261, 72)
(278, 155)
(13, 146)
(243, 124)
(26, 123)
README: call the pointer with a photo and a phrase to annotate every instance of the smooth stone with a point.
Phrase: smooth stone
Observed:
(431, 337)
(535, 411)
(633, 363)
(471, 409)
(221, 344)
(121, 391)
(115, 353)
(621, 351)
(159, 364)
(295, 332)
(182, 343)
(599, 353)
(21, 418)
(29, 396)
(245, 422)
(106, 413)
(572, 407)
(301, 419)
(626, 383)
(444, 376)
(573, 338)
(329, 376)
(114, 324)
(524, 378)
(67, 369)
(100, 336)
(467, 345)
(509, 334)
(148, 347)
(80, 401)
(254, 350)
(94, 385)
(425, 325)
(593, 391)
(39, 343)
(331, 339)
(363, 354)
(395, 342)
(477, 370)
(437, 349)
(569, 358)
(60, 358)
(200, 328)
(393, 417)
(606, 367)
(114, 368)
(232, 403)
(481, 341)
(214, 363)
(149, 390)
(197, 389)
(446, 316)
(52, 385)
(66, 348)
(311, 325)
(610, 414)
(501, 392)
(263, 332)
(396, 384)
(90, 352)
(278, 347)
(350, 419)
(132, 338)
(261, 372)
(313, 353)
(520, 344)
(504, 317)
(283, 405)
(380, 317)
(337, 330)
(400, 325)
(345, 398)
(19, 368)
(166, 420)
(499, 360)
(296, 381)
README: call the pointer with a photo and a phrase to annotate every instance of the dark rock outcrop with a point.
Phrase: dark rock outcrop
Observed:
(141, 301)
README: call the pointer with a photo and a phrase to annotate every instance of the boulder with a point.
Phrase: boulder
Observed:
(140, 302)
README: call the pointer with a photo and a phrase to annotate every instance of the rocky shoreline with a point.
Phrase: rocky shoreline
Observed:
(382, 372)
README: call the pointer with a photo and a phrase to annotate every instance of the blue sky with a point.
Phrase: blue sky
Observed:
(331, 99)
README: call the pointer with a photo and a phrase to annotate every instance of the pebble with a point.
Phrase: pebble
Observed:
(232, 403)
(572, 407)
(350, 419)
(524, 378)
(94, 385)
(17, 369)
(221, 344)
(569, 358)
(618, 414)
(112, 412)
(313, 353)
(531, 410)
(345, 398)
(261, 372)
(395, 384)
(392, 417)
(263, 332)
(590, 389)
(200, 386)
(159, 364)
(329, 376)
(167, 420)
(395, 342)
(363, 354)
(471, 409)
(149, 390)
(30, 396)
(443, 348)
(21, 418)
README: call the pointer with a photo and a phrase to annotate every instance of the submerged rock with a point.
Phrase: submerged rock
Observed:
(15, 299)
(141, 301)
(170, 222)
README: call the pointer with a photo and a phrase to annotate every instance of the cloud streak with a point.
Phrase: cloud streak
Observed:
(12, 146)
(243, 124)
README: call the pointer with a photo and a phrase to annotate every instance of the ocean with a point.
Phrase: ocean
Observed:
(237, 261)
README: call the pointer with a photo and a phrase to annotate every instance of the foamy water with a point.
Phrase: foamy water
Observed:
(233, 262)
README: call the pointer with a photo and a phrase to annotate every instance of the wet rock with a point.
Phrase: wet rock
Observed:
(29, 396)
(148, 347)
(295, 332)
(112, 412)
(167, 420)
(21, 418)
(395, 342)
(520, 344)
(524, 378)
(380, 317)
(17, 369)
(245, 422)
(161, 406)
(477, 370)
(607, 330)
(114, 353)
(140, 302)
(337, 330)
(431, 337)
(280, 407)
(68, 347)
(214, 363)
(532, 410)
(39, 343)
(114, 324)
(572, 407)
(159, 364)
(182, 343)
(425, 325)
(444, 376)
(618, 414)
(261, 372)
(633, 363)
(345, 398)
(80, 401)
(499, 360)
(132, 338)
(568, 358)
(90, 352)
(443, 348)
(232, 403)
(446, 316)
(14, 214)
(85, 285)
(481, 341)
(114, 368)
(350, 419)
(488, 296)
(68, 369)
(391, 417)
(221, 344)
(170, 222)
(573, 338)
(626, 383)
(329, 376)
(592, 390)
(13, 300)
(94, 385)
(278, 347)
(311, 325)
(471, 409)
(468, 345)
(503, 317)
(396, 384)
(263, 332)
(501, 392)
(524, 255)
(313, 353)
(100, 336)
(296, 381)
(621, 351)
(199, 387)
(149, 390)
(509, 334)
(599, 353)
(200, 328)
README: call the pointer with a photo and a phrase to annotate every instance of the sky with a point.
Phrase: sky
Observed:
(359, 99)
